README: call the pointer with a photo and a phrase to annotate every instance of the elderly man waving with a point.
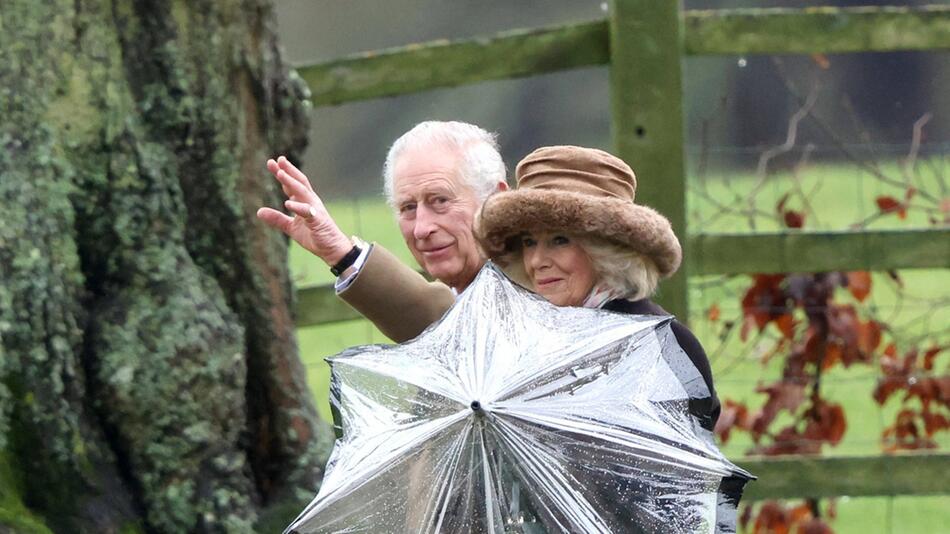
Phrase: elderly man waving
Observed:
(436, 177)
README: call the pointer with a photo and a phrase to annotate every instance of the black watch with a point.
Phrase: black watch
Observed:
(347, 260)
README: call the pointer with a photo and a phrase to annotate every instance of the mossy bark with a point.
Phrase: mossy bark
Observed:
(149, 376)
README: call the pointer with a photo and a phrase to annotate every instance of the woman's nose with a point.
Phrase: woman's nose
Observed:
(539, 258)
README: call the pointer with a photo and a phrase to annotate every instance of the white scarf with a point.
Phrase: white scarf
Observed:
(599, 296)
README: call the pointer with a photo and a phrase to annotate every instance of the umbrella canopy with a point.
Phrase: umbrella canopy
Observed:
(514, 415)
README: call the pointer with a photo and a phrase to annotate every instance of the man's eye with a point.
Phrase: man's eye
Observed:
(405, 208)
(439, 200)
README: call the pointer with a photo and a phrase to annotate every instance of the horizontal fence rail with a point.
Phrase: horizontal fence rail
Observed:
(865, 476)
(826, 30)
(419, 67)
(512, 54)
(791, 251)
(732, 254)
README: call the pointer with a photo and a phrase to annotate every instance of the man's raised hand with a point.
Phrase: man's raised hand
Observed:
(311, 224)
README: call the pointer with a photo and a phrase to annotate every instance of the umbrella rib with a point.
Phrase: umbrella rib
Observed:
(577, 351)
(486, 476)
(358, 477)
(449, 471)
(695, 457)
(558, 487)
(427, 385)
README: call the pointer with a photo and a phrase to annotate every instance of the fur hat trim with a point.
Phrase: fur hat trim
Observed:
(506, 216)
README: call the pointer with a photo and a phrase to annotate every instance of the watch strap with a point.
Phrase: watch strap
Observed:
(346, 261)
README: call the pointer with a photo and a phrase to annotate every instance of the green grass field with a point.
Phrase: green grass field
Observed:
(834, 198)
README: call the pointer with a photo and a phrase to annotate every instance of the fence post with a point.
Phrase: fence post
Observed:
(646, 93)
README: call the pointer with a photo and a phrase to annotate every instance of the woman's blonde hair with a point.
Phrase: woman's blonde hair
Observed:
(617, 268)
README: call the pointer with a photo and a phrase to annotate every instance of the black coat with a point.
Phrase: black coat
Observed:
(706, 410)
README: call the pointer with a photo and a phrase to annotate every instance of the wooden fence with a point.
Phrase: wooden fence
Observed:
(638, 43)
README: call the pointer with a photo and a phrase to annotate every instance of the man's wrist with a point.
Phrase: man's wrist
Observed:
(347, 261)
(352, 260)
(334, 255)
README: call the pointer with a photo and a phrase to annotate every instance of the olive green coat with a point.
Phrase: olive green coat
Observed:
(397, 299)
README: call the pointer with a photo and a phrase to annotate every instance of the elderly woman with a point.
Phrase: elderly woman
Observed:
(572, 233)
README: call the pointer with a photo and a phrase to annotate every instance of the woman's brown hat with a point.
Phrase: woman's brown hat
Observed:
(578, 191)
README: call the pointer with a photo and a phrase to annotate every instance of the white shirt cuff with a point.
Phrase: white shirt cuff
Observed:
(346, 278)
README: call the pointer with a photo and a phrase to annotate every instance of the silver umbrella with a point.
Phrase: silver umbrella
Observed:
(514, 415)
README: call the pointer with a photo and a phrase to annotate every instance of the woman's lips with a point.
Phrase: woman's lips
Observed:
(547, 282)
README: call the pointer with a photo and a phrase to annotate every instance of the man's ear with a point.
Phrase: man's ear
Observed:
(502, 186)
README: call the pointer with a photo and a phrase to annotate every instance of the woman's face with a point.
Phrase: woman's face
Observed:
(558, 268)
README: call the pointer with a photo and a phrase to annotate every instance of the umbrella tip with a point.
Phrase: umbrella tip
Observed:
(476, 406)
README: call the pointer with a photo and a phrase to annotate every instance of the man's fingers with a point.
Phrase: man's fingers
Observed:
(294, 172)
(274, 168)
(301, 208)
(292, 187)
(275, 219)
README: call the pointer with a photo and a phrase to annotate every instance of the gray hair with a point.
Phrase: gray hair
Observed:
(482, 165)
(617, 268)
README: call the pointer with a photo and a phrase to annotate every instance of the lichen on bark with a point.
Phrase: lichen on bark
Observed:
(149, 371)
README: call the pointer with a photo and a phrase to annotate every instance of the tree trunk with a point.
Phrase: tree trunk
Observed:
(149, 375)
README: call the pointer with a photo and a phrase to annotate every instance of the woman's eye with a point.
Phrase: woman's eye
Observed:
(528, 242)
(560, 240)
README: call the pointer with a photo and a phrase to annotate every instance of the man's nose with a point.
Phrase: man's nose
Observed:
(425, 223)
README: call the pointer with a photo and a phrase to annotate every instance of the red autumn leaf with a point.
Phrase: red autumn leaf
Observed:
(905, 425)
(832, 422)
(869, 336)
(814, 526)
(942, 385)
(889, 363)
(934, 422)
(787, 396)
(827, 424)
(833, 355)
(888, 204)
(909, 193)
(843, 321)
(745, 516)
(929, 357)
(886, 387)
(859, 284)
(786, 325)
(790, 441)
(910, 360)
(763, 301)
(800, 513)
(747, 324)
(733, 415)
(832, 509)
(713, 313)
(772, 519)
(784, 395)
(794, 219)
